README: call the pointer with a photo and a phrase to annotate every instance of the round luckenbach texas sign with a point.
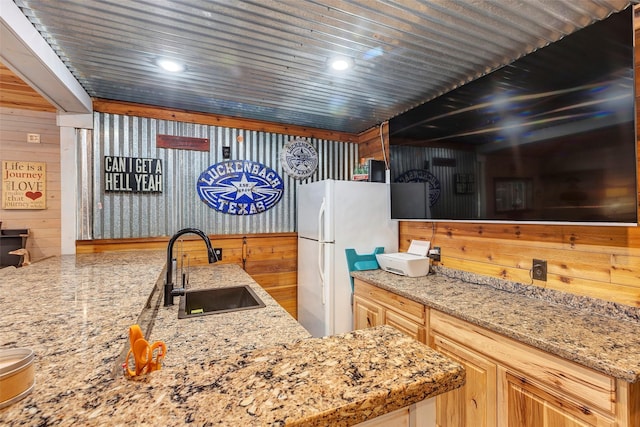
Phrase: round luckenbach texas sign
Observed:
(298, 158)
(240, 187)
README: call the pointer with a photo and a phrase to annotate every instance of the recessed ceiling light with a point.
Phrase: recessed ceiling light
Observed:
(170, 65)
(340, 63)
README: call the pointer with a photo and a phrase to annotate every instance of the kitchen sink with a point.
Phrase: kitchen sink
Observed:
(218, 300)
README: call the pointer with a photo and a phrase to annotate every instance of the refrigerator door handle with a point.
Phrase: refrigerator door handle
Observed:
(321, 270)
(321, 214)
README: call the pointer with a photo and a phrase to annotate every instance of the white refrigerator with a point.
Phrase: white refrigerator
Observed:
(333, 216)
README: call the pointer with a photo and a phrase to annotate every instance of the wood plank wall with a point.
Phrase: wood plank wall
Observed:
(43, 225)
(15, 93)
(370, 144)
(270, 259)
(600, 262)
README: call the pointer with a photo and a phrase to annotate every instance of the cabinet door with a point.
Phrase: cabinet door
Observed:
(366, 313)
(530, 406)
(405, 325)
(474, 404)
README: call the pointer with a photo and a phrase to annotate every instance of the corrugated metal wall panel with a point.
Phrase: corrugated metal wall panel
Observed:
(125, 214)
(84, 156)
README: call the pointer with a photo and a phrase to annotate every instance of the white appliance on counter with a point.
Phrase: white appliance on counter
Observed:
(333, 216)
(413, 263)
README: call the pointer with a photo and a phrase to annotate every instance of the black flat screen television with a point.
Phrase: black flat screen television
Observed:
(550, 137)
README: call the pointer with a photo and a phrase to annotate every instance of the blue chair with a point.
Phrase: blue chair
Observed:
(356, 262)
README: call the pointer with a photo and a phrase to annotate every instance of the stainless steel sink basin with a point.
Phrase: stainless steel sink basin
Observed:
(218, 300)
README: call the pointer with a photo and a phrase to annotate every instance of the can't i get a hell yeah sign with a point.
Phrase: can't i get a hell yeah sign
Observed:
(132, 174)
(24, 185)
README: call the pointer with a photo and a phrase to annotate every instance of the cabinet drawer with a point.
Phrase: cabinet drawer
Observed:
(587, 385)
(411, 309)
(406, 326)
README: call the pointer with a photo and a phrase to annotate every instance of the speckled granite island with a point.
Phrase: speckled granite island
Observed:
(255, 367)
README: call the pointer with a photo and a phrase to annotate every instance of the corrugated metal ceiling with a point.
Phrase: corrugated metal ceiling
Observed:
(266, 59)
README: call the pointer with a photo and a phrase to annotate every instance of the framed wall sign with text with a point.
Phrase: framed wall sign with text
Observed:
(24, 185)
(138, 175)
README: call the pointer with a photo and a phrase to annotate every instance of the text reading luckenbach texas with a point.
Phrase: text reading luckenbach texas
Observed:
(240, 187)
(220, 170)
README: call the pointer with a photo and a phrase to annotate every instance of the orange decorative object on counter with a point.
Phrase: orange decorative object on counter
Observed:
(147, 357)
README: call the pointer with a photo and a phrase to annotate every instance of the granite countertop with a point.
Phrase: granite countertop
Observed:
(255, 367)
(602, 336)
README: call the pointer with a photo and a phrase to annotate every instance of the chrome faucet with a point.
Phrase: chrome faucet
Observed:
(169, 291)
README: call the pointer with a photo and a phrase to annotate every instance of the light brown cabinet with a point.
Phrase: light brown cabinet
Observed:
(473, 404)
(373, 306)
(512, 384)
(508, 383)
(366, 313)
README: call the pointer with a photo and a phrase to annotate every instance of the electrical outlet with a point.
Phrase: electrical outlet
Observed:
(434, 253)
(539, 270)
(218, 252)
